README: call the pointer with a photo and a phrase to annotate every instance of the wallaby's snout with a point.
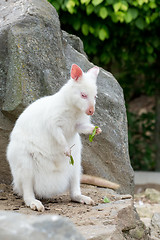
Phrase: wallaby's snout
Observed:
(90, 110)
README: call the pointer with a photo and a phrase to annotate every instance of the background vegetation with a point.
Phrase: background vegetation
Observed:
(122, 36)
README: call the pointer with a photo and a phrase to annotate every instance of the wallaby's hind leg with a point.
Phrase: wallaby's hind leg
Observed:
(27, 181)
(29, 197)
(75, 190)
(23, 177)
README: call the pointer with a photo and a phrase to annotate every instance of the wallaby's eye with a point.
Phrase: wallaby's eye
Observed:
(96, 97)
(83, 95)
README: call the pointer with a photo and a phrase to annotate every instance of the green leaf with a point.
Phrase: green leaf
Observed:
(76, 25)
(156, 42)
(125, 56)
(117, 6)
(56, 5)
(86, 2)
(147, 20)
(109, 2)
(103, 12)
(105, 58)
(93, 134)
(152, 5)
(90, 138)
(85, 29)
(150, 49)
(124, 6)
(133, 12)
(71, 160)
(89, 9)
(70, 6)
(103, 34)
(120, 16)
(114, 18)
(128, 17)
(154, 16)
(141, 2)
(140, 23)
(96, 2)
(106, 200)
(91, 29)
(150, 59)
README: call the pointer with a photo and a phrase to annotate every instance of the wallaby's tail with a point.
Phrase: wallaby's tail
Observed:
(99, 182)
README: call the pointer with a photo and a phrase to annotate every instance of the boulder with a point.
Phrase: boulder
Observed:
(155, 226)
(14, 226)
(35, 60)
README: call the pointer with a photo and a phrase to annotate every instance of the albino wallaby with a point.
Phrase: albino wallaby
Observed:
(41, 140)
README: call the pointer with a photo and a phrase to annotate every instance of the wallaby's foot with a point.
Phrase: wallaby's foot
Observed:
(83, 199)
(35, 205)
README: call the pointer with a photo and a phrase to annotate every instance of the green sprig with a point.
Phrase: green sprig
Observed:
(106, 200)
(71, 160)
(93, 134)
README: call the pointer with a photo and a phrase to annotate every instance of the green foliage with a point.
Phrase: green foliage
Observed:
(122, 36)
(93, 134)
(71, 160)
(140, 140)
(106, 200)
(122, 31)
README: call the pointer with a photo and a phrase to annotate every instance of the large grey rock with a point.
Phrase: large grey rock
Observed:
(116, 220)
(35, 60)
(15, 226)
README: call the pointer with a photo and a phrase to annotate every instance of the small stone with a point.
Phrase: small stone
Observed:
(16, 208)
(3, 198)
(126, 196)
(47, 208)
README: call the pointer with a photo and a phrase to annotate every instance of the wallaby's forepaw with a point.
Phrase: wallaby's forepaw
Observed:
(98, 131)
(67, 152)
(83, 199)
(36, 205)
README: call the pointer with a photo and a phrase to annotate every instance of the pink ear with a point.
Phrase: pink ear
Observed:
(76, 72)
(94, 70)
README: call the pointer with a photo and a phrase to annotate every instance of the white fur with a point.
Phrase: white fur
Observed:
(41, 139)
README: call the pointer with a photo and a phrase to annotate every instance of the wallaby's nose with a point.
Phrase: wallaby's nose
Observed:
(90, 111)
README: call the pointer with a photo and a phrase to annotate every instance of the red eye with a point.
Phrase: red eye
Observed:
(83, 95)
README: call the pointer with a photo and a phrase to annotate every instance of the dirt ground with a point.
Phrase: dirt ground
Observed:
(62, 205)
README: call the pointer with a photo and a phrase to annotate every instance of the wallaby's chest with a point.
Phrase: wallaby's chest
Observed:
(68, 122)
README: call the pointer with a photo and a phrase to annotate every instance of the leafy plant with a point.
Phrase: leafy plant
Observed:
(93, 134)
(142, 152)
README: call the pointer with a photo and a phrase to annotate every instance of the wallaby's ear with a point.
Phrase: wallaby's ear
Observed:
(94, 71)
(76, 72)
